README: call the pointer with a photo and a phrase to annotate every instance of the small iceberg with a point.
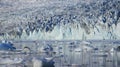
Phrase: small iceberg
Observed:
(45, 62)
(7, 46)
(86, 46)
(10, 61)
(78, 49)
(85, 42)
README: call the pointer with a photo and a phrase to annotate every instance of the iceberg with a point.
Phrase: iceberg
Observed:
(7, 46)
(9, 61)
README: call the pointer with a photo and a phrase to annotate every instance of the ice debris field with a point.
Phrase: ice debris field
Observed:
(92, 53)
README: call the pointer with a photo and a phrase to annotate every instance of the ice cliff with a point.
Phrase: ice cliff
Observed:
(59, 19)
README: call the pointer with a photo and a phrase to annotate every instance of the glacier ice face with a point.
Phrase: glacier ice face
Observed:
(59, 19)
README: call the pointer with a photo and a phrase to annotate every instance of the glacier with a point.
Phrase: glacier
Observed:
(59, 19)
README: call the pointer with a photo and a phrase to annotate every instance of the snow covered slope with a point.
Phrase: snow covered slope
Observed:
(59, 19)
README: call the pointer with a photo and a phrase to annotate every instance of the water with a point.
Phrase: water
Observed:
(62, 53)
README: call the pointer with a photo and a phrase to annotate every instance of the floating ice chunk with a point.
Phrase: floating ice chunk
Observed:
(41, 50)
(10, 61)
(36, 62)
(118, 48)
(48, 49)
(111, 51)
(78, 50)
(118, 56)
(6, 46)
(86, 46)
(45, 62)
(115, 53)
(85, 42)
(26, 50)
(75, 65)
